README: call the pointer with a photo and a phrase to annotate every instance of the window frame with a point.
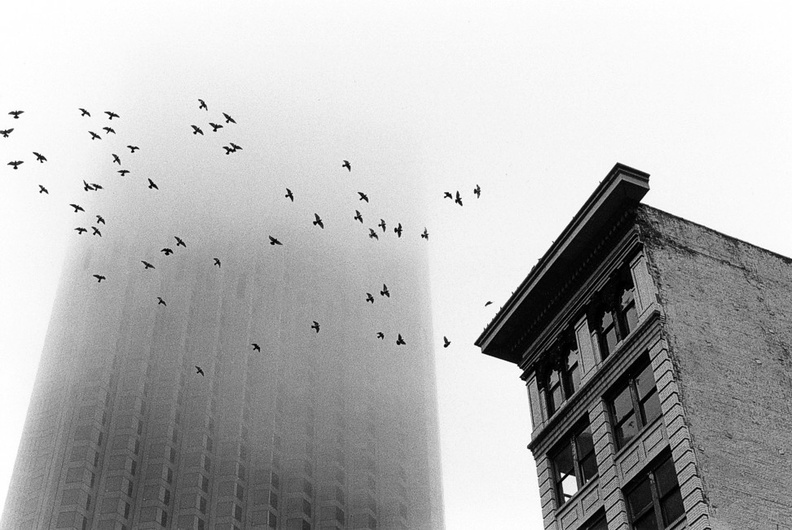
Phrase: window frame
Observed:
(638, 409)
(572, 440)
(560, 374)
(656, 506)
(611, 301)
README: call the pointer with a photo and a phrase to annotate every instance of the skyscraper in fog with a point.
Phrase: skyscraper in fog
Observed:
(319, 430)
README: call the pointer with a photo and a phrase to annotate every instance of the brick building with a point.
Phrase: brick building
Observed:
(656, 354)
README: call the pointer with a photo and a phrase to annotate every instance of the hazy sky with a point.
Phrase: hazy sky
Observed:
(534, 102)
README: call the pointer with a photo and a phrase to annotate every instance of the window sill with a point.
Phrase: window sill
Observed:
(569, 505)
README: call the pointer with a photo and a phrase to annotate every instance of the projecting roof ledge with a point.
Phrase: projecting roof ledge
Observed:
(622, 188)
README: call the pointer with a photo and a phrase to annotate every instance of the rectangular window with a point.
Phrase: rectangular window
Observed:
(574, 463)
(635, 404)
(615, 315)
(562, 378)
(653, 499)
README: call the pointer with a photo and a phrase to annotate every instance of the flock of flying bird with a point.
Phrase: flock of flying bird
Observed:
(231, 148)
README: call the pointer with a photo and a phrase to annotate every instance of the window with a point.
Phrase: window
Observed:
(562, 377)
(597, 522)
(615, 314)
(574, 463)
(654, 500)
(635, 404)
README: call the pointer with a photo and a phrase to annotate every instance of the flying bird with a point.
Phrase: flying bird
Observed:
(95, 136)
(16, 163)
(167, 251)
(16, 113)
(274, 241)
(228, 150)
(96, 186)
(202, 105)
(318, 220)
(217, 262)
(228, 118)
(358, 217)
(477, 191)
(347, 165)
(100, 219)
(373, 234)
(42, 189)
(99, 278)
(116, 159)
(382, 224)
(488, 302)
(41, 158)
(151, 185)
(369, 298)
(384, 291)
(77, 208)
(133, 148)
(446, 342)
(81, 230)
(179, 242)
(197, 130)
(108, 130)
(6, 132)
(235, 147)
(198, 370)
(400, 340)
(84, 112)
(398, 230)
(458, 199)
(256, 347)
(123, 172)
(315, 326)
(380, 335)
(160, 301)
(147, 265)
(111, 115)
(215, 126)
(425, 234)
(447, 195)
(289, 195)
(363, 196)
(96, 231)
(86, 186)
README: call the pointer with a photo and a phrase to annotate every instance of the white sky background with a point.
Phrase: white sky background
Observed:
(535, 103)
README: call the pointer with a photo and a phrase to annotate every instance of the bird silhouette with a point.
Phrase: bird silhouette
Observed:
(228, 118)
(16, 163)
(111, 115)
(151, 185)
(358, 217)
(235, 147)
(108, 130)
(179, 242)
(95, 136)
(123, 172)
(160, 301)
(477, 191)
(81, 230)
(42, 189)
(41, 158)
(382, 224)
(116, 159)
(6, 132)
(289, 195)
(256, 347)
(318, 220)
(197, 130)
(86, 186)
(198, 370)
(77, 208)
(347, 165)
(363, 196)
(96, 187)
(458, 199)
(99, 278)
(16, 113)
(315, 326)
(274, 241)
(398, 230)
(217, 262)
(425, 234)
(228, 150)
(96, 231)
(384, 291)
(400, 340)
(446, 342)
(133, 148)
(147, 265)
(380, 335)
(369, 298)
(215, 126)
(447, 195)
(488, 302)
(373, 234)
(167, 251)
(202, 105)
(84, 112)
(100, 219)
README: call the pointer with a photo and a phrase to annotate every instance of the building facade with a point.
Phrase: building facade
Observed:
(328, 429)
(656, 354)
